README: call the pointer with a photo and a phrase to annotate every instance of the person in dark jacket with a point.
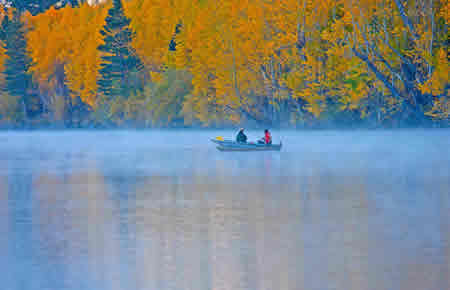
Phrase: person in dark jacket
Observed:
(241, 137)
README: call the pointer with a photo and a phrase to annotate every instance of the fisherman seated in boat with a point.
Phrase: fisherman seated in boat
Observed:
(267, 139)
(241, 137)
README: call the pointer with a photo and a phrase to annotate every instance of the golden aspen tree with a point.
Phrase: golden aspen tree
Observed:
(262, 60)
(63, 45)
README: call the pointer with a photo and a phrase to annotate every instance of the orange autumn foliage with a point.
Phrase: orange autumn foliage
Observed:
(263, 59)
(67, 39)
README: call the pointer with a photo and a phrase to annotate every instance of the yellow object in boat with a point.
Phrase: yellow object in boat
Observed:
(219, 138)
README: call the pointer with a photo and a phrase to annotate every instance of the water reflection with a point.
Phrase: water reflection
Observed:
(137, 215)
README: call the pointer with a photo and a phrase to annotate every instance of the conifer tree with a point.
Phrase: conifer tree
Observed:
(35, 6)
(18, 81)
(4, 27)
(120, 63)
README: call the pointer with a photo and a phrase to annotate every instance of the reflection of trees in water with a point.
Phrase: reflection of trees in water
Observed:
(18, 204)
(172, 235)
(331, 225)
(233, 233)
(445, 233)
(5, 220)
(313, 227)
(76, 226)
(121, 187)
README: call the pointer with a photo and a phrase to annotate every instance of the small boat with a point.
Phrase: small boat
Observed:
(230, 145)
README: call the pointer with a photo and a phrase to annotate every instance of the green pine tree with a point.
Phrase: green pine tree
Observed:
(18, 81)
(120, 65)
(36, 6)
(4, 27)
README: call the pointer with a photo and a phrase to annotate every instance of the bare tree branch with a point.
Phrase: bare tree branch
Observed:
(405, 19)
(377, 73)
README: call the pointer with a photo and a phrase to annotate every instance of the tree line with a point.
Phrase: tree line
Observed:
(299, 63)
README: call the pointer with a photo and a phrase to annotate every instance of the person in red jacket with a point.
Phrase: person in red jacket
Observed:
(267, 139)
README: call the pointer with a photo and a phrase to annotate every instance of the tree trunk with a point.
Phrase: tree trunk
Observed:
(377, 73)
(405, 19)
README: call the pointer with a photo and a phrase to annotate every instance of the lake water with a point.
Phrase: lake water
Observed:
(166, 210)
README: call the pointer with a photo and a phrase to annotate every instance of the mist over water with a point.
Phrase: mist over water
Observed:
(166, 210)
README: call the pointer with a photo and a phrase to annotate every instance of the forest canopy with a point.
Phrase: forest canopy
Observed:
(299, 63)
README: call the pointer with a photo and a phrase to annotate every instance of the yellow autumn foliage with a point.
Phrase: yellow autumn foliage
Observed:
(63, 44)
(256, 58)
